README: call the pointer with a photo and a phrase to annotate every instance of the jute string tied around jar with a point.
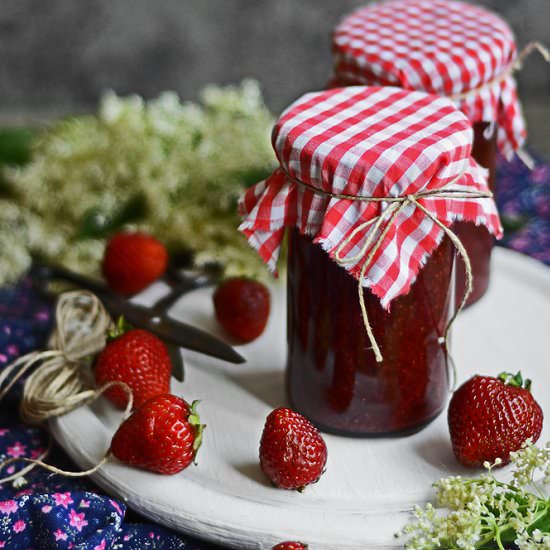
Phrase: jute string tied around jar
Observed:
(376, 235)
(61, 380)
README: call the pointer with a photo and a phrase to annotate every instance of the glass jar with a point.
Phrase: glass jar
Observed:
(332, 375)
(361, 171)
(476, 239)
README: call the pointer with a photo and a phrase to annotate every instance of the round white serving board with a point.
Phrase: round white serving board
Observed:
(370, 485)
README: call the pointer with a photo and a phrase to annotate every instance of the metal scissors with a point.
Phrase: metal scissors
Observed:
(153, 318)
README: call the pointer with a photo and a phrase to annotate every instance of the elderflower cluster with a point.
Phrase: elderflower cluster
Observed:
(173, 169)
(482, 512)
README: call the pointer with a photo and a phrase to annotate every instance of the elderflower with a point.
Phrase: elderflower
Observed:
(171, 168)
(483, 512)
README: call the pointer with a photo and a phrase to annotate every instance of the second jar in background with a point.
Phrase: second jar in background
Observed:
(449, 48)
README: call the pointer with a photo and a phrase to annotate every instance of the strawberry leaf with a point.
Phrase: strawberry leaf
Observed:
(195, 421)
(122, 327)
(515, 380)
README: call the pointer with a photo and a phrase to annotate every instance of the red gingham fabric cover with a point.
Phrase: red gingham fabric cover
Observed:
(370, 141)
(436, 46)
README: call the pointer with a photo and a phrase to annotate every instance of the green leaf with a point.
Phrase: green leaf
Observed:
(96, 224)
(15, 145)
(511, 225)
(250, 177)
(543, 523)
(515, 380)
(195, 421)
(122, 326)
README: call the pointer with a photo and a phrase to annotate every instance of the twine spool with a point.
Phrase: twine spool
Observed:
(61, 379)
(388, 215)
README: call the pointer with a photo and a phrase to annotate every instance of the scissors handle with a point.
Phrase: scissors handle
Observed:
(42, 274)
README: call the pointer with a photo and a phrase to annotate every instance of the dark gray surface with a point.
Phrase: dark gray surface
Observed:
(59, 54)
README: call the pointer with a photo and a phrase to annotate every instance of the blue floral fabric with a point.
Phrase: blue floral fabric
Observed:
(43, 510)
(524, 204)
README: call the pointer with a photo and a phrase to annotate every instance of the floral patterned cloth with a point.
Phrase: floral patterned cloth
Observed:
(44, 510)
(524, 204)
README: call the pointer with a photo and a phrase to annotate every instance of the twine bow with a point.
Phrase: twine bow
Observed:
(372, 243)
(61, 380)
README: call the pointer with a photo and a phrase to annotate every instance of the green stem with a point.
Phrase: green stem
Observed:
(507, 533)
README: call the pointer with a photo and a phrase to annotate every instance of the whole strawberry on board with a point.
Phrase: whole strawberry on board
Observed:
(293, 453)
(163, 435)
(242, 307)
(132, 261)
(491, 417)
(288, 545)
(139, 359)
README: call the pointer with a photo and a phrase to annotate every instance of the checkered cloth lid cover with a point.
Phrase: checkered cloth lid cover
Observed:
(373, 142)
(440, 47)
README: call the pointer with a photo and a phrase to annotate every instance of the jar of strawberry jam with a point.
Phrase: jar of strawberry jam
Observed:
(448, 48)
(333, 377)
(369, 183)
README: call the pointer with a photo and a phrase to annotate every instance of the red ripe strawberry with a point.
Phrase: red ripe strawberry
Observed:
(292, 452)
(491, 417)
(163, 435)
(242, 307)
(139, 359)
(132, 261)
(290, 546)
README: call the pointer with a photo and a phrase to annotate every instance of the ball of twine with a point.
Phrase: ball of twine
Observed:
(60, 378)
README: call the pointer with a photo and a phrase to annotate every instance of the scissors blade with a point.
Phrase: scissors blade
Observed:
(174, 332)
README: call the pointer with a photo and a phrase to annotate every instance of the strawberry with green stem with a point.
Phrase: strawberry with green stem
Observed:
(163, 435)
(491, 417)
(139, 359)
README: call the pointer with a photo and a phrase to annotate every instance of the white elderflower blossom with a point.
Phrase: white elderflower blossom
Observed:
(172, 168)
(483, 512)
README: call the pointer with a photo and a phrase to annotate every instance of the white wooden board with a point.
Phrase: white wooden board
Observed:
(370, 484)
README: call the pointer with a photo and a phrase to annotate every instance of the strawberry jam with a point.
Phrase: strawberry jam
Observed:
(332, 375)
(476, 239)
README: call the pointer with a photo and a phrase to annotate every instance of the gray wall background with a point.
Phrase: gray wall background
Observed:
(57, 56)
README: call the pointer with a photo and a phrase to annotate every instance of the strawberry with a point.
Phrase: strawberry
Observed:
(139, 359)
(242, 307)
(293, 453)
(290, 546)
(132, 261)
(163, 435)
(491, 417)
